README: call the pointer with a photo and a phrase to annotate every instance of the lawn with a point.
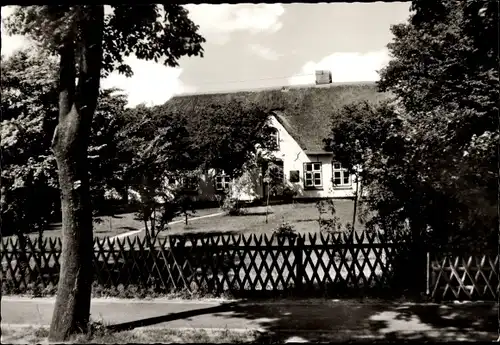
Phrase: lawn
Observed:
(114, 225)
(302, 216)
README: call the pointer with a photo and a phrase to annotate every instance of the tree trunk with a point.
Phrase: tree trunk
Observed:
(70, 144)
(355, 204)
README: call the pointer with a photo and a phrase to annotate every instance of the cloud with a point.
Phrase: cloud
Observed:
(11, 43)
(345, 67)
(264, 52)
(217, 22)
(152, 83)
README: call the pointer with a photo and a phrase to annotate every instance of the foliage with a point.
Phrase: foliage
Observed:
(429, 158)
(152, 148)
(106, 162)
(273, 178)
(151, 32)
(91, 44)
(232, 206)
(29, 170)
(192, 143)
(331, 224)
(178, 202)
(222, 135)
(285, 229)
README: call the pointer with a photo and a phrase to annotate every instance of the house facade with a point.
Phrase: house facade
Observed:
(302, 119)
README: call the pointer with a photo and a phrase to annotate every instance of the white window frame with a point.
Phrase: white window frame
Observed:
(224, 184)
(340, 173)
(313, 175)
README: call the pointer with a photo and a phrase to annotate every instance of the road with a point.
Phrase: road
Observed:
(310, 320)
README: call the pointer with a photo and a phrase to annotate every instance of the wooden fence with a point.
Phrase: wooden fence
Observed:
(464, 277)
(335, 264)
(215, 264)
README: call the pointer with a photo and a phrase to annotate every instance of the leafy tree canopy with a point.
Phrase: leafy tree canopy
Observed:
(151, 32)
(29, 171)
(430, 156)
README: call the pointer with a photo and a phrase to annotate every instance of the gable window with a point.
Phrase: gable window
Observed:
(341, 177)
(222, 182)
(313, 176)
(274, 143)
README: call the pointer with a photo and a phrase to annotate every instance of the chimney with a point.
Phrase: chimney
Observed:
(323, 77)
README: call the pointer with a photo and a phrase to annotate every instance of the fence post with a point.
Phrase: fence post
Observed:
(428, 268)
(299, 261)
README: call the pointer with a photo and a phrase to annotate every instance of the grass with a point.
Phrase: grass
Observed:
(110, 226)
(302, 216)
(38, 335)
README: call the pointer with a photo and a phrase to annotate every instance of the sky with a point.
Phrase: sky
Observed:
(250, 46)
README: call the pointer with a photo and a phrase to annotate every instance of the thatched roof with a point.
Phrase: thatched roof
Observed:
(304, 111)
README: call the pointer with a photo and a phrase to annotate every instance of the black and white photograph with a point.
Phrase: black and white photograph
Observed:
(260, 173)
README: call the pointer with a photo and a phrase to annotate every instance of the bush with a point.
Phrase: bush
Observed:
(285, 229)
(233, 206)
(288, 193)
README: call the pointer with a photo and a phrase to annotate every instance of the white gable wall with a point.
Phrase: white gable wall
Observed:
(294, 157)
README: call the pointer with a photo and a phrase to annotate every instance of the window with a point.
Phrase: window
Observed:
(190, 183)
(313, 177)
(341, 177)
(275, 140)
(294, 176)
(222, 182)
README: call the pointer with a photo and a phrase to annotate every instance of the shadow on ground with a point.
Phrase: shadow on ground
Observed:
(257, 213)
(339, 321)
(306, 220)
(170, 317)
(193, 234)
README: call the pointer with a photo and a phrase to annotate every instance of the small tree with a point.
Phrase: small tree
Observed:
(273, 178)
(156, 147)
(357, 129)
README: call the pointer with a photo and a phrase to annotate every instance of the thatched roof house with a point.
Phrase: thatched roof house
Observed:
(304, 111)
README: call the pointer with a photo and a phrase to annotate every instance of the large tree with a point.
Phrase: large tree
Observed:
(29, 110)
(91, 44)
(430, 156)
(445, 76)
(29, 116)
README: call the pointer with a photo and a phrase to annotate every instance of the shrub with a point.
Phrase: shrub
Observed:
(233, 206)
(285, 229)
